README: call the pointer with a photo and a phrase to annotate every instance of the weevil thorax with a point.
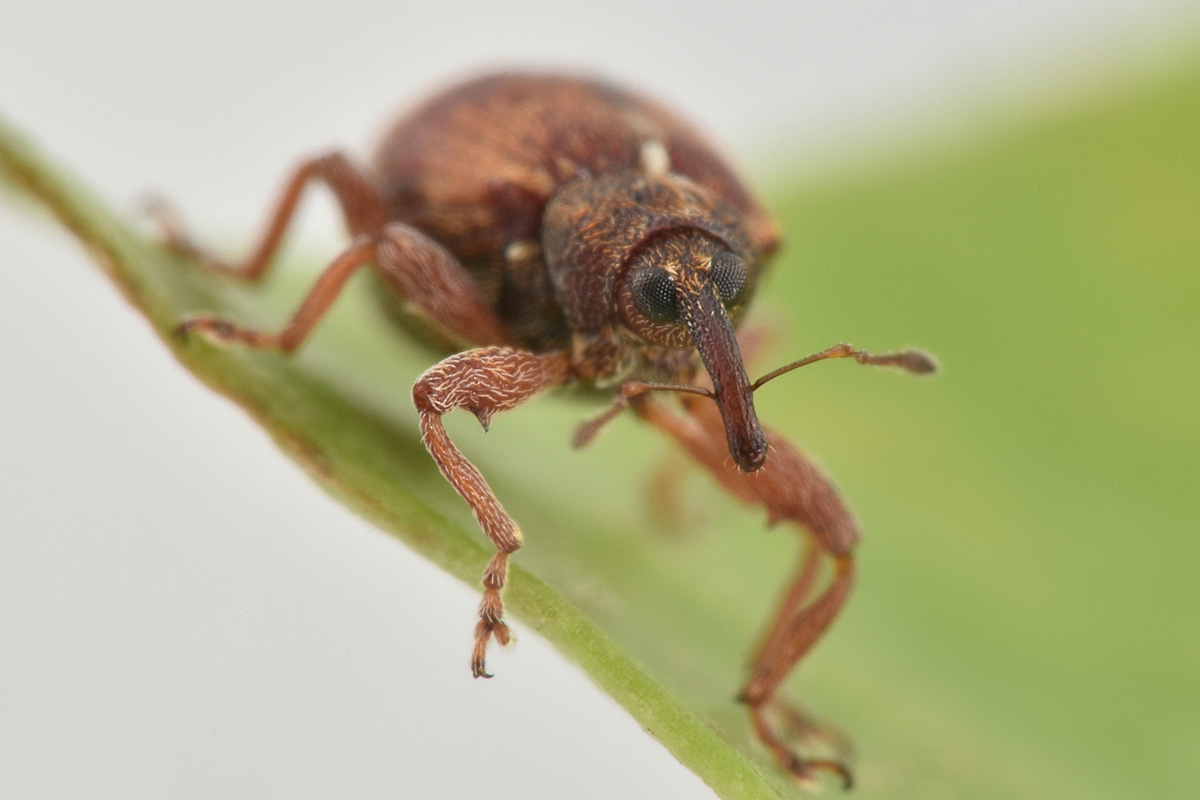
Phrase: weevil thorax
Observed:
(648, 263)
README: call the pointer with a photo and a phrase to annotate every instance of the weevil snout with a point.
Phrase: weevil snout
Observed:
(703, 312)
(684, 300)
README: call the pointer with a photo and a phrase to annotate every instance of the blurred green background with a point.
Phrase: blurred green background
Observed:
(1027, 619)
(1031, 556)
(1026, 622)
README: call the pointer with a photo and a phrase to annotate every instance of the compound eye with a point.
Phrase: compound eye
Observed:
(728, 273)
(654, 294)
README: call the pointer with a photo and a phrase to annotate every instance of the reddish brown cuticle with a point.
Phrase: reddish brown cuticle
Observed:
(505, 218)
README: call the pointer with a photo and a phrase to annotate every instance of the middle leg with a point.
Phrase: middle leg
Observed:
(420, 272)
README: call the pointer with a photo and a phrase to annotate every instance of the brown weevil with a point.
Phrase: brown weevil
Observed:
(552, 230)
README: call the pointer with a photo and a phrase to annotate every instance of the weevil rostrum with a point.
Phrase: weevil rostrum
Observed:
(561, 230)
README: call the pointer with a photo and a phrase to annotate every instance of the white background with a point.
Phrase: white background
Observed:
(181, 613)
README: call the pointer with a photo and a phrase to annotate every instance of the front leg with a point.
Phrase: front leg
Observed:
(483, 381)
(790, 488)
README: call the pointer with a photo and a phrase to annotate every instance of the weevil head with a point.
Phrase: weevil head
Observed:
(683, 289)
(658, 260)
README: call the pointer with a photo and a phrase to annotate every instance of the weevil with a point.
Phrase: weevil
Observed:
(552, 230)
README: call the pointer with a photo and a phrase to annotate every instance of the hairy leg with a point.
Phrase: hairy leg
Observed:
(361, 203)
(418, 270)
(483, 381)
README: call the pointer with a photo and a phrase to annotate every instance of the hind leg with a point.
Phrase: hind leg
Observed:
(362, 207)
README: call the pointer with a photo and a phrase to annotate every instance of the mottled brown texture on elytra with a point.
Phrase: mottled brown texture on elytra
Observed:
(475, 165)
(566, 231)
